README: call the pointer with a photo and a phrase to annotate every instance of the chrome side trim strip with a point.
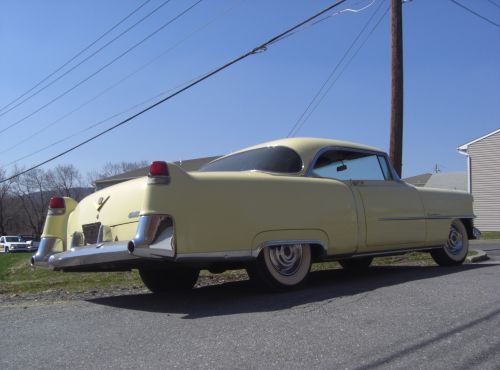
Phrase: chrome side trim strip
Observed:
(430, 217)
(385, 253)
(242, 255)
(215, 256)
(269, 243)
(403, 218)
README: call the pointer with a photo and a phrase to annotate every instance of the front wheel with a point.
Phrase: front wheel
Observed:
(282, 267)
(6, 250)
(456, 248)
(169, 279)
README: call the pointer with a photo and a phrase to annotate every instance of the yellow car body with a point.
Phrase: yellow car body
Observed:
(218, 217)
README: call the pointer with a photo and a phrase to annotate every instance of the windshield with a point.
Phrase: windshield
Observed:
(278, 159)
(12, 239)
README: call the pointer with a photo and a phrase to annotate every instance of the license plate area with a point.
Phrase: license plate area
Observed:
(90, 232)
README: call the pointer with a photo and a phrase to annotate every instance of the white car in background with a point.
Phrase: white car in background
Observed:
(11, 244)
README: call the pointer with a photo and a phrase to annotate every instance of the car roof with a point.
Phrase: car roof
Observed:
(307, 147)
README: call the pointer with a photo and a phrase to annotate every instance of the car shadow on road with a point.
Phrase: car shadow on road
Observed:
(242, 297)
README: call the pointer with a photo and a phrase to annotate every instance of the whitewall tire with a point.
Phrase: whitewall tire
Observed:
(282, 267)
(456, 248)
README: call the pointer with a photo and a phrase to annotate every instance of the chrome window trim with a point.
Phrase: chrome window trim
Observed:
(320, 152)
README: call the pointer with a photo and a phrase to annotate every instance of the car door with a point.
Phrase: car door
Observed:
(392, 210)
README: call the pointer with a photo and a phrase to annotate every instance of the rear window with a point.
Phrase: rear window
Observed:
(278, 159)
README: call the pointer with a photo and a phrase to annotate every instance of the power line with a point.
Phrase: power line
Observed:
(493, 3)
(94, 125)
(342, 71)
(346, 65)
(87, 58)
(76, 55)
(314, 103)
(163, 53)
(102, 68)
(476, 14)
(262, 47)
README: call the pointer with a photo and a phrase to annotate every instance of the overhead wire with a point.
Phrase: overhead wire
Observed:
(103, 67)
(327, 17)
(109, 88)
(76, 55)
(258, 49)
(304, 116)
(493, 3)
(475, 13)
(97, 124)
(342, 71)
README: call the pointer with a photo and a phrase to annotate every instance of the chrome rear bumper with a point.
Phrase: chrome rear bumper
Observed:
(153, 241)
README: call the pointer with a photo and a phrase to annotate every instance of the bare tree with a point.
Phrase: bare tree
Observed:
(66, 181)
(5, 189)
(33, 194)
(113, 169)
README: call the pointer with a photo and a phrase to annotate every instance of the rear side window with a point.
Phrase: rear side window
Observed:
(347, 165)
(278, 159)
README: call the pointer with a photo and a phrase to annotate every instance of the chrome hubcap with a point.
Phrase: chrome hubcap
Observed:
(286, 259)
(455, 242)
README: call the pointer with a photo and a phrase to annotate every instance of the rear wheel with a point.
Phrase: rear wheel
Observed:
(456, 248)
(281, 267)
(356, 264)
(169, 279)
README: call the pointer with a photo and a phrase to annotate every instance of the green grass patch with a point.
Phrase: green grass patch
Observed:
(17, 276)
(490, 235)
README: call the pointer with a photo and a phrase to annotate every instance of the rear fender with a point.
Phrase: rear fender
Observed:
(56, 224)
(280, 237)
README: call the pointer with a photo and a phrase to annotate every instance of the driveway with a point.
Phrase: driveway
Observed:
(491, 247)
(390, 317)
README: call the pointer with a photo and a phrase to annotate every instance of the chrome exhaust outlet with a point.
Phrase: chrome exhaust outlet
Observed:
(154, 238)
(47, 248)
(131, 247)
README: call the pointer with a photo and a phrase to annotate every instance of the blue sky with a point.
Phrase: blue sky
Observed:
(452, 79)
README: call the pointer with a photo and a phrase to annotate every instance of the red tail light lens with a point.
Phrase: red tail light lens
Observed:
(158, 168)
(57, 203)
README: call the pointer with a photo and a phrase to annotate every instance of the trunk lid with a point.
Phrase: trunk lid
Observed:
(117, 206)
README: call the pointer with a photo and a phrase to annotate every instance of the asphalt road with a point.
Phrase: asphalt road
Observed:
(390, 317)
(491, 247)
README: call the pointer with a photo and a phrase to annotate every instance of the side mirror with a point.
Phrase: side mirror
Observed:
(341, 168)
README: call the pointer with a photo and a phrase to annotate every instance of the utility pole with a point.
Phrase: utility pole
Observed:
(396, 145)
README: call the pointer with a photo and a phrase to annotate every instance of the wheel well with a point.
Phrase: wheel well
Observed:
(469, 226)
(317, 252)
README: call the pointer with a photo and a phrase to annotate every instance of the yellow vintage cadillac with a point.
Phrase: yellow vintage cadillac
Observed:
(273, 209)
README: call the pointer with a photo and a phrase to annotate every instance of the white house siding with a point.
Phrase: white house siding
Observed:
(485, 181)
